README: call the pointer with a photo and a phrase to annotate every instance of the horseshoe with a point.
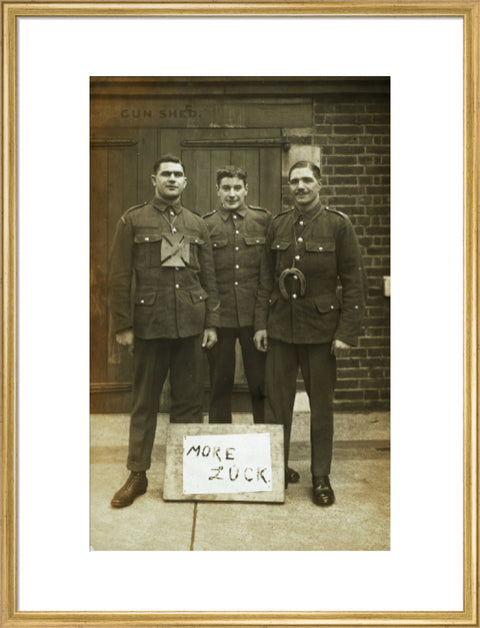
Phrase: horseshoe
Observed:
(300, 276)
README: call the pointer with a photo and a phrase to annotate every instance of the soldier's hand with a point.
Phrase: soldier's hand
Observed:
(340, 348)
(209, 337)
(125, 338)
(260, 340)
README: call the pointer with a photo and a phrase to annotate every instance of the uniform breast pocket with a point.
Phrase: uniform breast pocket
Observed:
(147, 250)
(283, 257)
(254, 245)
(255, 240)
(218, 244)
(321, 255)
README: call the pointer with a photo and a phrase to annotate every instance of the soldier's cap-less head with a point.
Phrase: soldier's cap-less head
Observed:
(169, 178)
(305, 183)
(232, 187)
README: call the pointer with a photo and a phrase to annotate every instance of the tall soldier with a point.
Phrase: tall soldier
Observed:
(164, 251)
(237, 231)
(299, 317)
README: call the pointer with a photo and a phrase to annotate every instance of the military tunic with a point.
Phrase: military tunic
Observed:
(169, 301)
(162, 261)
(323, 246)
(303, 313)
(238, 239)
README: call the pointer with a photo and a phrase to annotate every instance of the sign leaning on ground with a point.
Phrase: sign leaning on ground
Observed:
(227, 463)
(224, 463)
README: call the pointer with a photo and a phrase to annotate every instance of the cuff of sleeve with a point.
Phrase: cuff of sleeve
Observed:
(212, 319)
(121, 325)
(259, 323)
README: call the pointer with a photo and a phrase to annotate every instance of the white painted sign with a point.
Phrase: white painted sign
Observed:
(226, 463)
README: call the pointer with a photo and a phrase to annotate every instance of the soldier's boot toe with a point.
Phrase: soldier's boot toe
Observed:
(292, 476)
(323, 494)
(135, 486)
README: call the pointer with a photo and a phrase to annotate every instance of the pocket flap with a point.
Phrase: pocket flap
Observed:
(145, 298)
(254, 240)
(198, 295)
(320, 245)
(326, 303)
(196, 240)
(141, 238)
(280, 245)
(220, 243)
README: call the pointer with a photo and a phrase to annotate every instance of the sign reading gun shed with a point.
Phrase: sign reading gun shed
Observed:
(224, 462)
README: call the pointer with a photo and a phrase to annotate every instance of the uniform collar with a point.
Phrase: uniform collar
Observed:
(307, 216)
(162, 205)
(226, 213)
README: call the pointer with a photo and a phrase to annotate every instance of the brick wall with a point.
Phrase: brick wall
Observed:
(353, 135)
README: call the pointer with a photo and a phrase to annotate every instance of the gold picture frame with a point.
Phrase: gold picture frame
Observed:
(469, 12)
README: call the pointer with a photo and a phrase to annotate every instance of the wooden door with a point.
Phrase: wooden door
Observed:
(113, 187)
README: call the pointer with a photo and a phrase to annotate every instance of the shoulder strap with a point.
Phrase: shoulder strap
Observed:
(130, 209)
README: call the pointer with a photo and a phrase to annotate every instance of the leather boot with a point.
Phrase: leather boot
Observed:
(322, 491)
(135, 485)
(292, 476)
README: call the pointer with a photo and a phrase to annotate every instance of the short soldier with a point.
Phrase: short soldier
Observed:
(300, 318)
(164, 251)
(237, 232)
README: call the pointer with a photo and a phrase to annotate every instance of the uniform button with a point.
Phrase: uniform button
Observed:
(332, 307)
(300, 239)
(356, 307)
(172, 213)
(294, 296)
(237, 232)
(297, 257)
(201, 298)
(237, 248)
(258, 241)
(176, 268)
(234, 216)
(196, 241)
(214, 245)
(278, 246)
(147, 238)
(237, 266)
(177, 286)
(301, 223)
(320, 248)
(142, 300)
(236, 283)
(174, 230)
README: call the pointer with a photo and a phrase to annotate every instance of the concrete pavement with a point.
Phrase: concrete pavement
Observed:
(359, 520)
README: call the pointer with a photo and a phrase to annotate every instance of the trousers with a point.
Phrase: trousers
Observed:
(318, 367)
(222, 370)
(153, 359)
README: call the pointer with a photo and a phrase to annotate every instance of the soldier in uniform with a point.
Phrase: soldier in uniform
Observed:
(237, 232)
(299, 317)
(162, 254)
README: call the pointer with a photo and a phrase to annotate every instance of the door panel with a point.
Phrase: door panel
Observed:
(98, 268)
(263, 166)
(113, 188)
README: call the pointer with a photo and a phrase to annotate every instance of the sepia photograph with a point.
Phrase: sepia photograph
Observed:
(240, 276)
